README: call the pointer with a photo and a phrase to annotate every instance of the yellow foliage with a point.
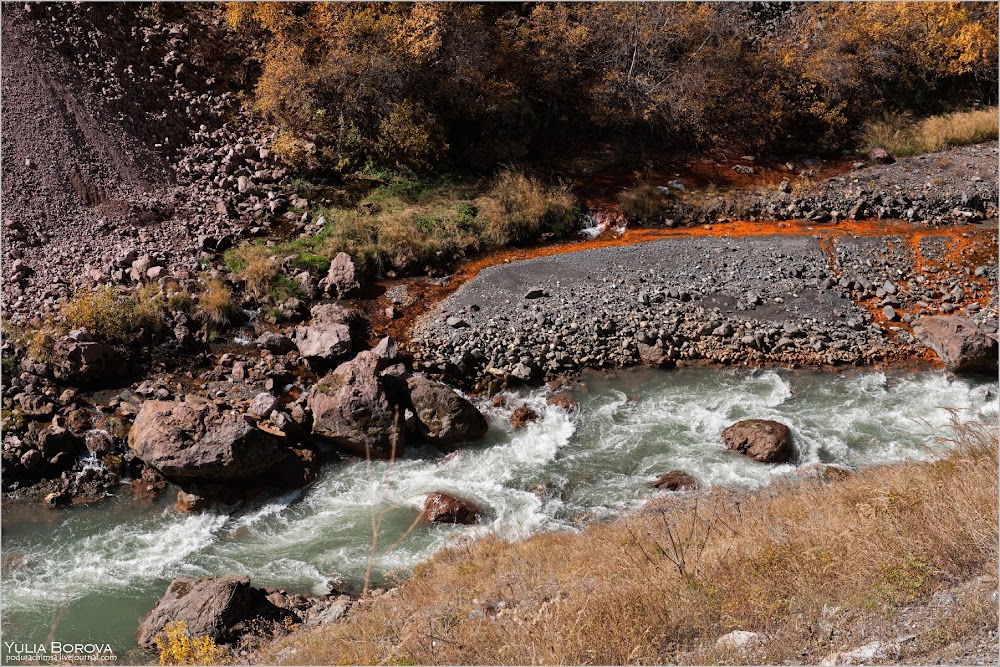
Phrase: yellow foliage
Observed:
(178, 647)
(106, 313)
(215, 303)
(406, 84)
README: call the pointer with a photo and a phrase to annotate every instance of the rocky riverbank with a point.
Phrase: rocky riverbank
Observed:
(951, 187)
(818, 299)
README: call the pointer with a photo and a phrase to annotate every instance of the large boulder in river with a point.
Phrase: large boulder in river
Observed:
(351, 408)
(210, 607)
(195, 439)
(444, 417)
(760, 439)
(958, 342)
(445, 508)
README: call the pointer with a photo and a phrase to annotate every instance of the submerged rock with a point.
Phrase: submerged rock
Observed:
(760, 439)
(563, 400)
(676, 480)
(195, 439)
(523, 416)
(442, 507)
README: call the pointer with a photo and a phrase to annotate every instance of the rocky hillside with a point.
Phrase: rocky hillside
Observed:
(124, 155)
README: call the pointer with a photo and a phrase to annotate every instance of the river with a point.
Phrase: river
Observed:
(88, 574)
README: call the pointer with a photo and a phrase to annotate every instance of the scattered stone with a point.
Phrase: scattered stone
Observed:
(738, 639)
(881, 156)
(263, 405)
(523, 416)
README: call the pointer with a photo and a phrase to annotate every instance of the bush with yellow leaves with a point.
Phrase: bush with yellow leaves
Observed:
(177, 647)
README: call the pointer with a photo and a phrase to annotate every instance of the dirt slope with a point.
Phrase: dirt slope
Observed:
(114, 126)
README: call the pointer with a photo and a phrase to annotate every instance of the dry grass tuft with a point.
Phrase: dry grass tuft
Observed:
(105, 313)
(518, 208)
(790, 562)
(256, 266)
(902, 135)
(215, 304)
(642, 203)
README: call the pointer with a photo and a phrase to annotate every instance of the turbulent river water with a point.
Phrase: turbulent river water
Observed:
(89, 574)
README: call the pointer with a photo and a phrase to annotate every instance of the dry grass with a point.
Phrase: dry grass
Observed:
(256, 266)
(790, 561)
(518, 208)
(215, 304)
(112, 315)
(642, 203)
(902, 135)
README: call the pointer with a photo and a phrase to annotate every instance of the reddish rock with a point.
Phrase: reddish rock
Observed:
(676, 480)
(523, 416)
(444, 508)
(563, 400)
(760, 439)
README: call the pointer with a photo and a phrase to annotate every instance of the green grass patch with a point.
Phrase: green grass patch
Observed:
(420, 223)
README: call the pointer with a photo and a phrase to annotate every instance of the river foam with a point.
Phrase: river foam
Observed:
(555, 474)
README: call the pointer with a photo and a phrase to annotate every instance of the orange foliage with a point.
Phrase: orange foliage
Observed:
(406, 84)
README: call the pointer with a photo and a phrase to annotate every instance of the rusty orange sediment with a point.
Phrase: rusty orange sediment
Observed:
(966, 243)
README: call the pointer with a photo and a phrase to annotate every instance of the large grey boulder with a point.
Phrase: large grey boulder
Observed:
(959, 343)
(760, 439)
(210, 607)
(351, 408)
(444, 416)
(195, 439)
